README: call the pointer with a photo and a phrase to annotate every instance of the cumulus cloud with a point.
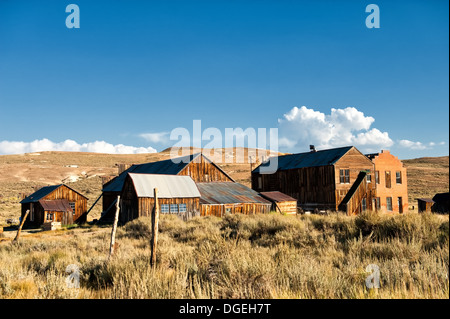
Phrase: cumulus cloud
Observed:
(303, 126)
(161, 137)
(15, 147)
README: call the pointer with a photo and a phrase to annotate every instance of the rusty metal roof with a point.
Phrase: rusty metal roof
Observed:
(427, 200)
(57, 205)
(228, 193)
(277, 196)
(169, 186)
(307, 159)
(166, 167)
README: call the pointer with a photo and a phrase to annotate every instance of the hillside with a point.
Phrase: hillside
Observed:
(84, 171)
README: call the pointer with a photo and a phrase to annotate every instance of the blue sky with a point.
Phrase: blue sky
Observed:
(312, 69)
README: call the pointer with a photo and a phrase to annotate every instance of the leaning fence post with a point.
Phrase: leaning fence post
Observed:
(21, 225)
(113, 232)
(155, 220)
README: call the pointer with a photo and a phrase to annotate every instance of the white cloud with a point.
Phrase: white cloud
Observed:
(161, 137)
(15, 147)
(302, 126)
(417, 145)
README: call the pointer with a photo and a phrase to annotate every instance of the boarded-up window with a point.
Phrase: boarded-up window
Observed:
(344, 176)
(389, 203)
(388, 179)
(398, 177)
(400, 204)
(377, 177)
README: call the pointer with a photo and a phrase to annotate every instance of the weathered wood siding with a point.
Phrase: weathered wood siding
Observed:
(220, 210)
(287, 207)
(310, 185)
(202, 170)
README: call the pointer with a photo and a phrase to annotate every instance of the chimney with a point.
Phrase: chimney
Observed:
(312, 148)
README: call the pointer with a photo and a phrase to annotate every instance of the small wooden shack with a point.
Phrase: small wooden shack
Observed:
(221, 198)
(281, 202)
(176, 195)
(54, 204)
(424, 205)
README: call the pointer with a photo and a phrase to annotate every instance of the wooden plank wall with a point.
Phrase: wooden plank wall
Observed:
(220, 210)
(64, 192)
(204, 171)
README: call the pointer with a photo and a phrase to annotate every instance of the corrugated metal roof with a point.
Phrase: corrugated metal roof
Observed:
(57, 205)
(307, 159)
(228, 193)
(166, 167)
(277, 196)
(39, 194)
(169, 186)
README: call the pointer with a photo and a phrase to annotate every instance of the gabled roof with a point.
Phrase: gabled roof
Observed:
(43, 192)
(228, 193)
(277, 196)
(165, 167)
(307, 159)
(169, 186)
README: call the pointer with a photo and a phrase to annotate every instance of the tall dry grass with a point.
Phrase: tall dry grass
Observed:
(261, 256)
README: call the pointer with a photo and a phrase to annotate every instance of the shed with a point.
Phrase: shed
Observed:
(221, 198)
(441, 203)
(281, 202)
(176, 195)
(57, 203)
(424, 205)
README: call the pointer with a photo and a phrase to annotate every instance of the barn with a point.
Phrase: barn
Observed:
(281, 203)
(176, 195)
(332, 179)
(57, 203)
(221, 198)
(197, 166)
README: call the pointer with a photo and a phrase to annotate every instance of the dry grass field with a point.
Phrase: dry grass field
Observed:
(265, 256)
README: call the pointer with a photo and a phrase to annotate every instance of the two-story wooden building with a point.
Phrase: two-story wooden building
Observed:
(332, 179)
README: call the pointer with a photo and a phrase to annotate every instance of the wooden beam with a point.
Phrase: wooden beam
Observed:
(155, 220)
(113, 232)
(21, 225)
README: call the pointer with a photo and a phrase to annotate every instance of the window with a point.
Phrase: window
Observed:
(206, 178)
(259, 182)
(164, 208)
(174, 208)
(363, 204)
(389, 203)
(378, 203)
(182, 208)
(49, 216)
(377, 177)
(72, 205)
(388, 179)
(369, 178)
(398, 177)
(344, 176)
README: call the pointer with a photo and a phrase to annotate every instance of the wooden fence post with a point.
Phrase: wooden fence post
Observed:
(21, 225)
(113, 232)
(155, 220)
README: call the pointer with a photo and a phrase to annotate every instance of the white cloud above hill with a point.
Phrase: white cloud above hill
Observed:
(42, 145)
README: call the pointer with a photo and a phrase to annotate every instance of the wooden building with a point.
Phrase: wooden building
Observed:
(320, 179)
(221, 198)
(176, 195)
(424, 205)
(391, 189)
(281, 203)
(197, 166)
(58, 203)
